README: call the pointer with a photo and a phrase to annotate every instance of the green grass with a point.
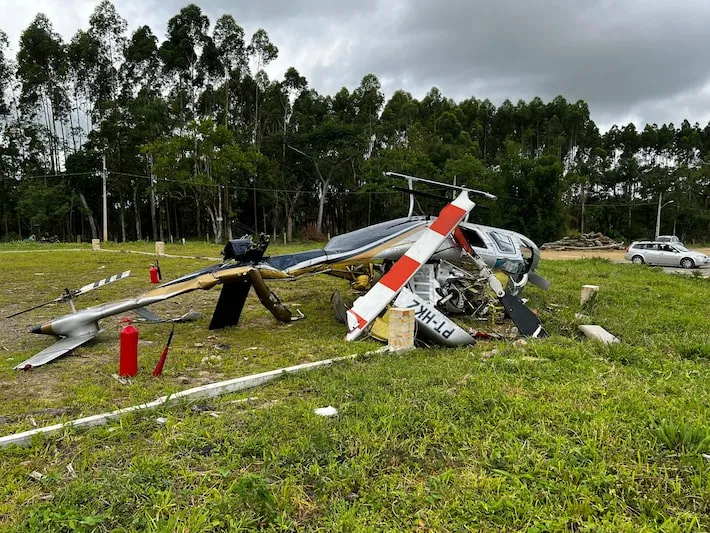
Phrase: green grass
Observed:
(557, 434)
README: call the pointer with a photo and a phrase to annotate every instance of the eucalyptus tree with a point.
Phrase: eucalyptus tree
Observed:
(228, 37)
(141, 65)
(180, 53)
(41, 71)
(5, 75)
(107, 28)
(262, 52)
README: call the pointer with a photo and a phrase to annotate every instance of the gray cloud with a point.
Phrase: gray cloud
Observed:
(631, 61)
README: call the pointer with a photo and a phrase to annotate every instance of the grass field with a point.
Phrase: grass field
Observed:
(557, 434)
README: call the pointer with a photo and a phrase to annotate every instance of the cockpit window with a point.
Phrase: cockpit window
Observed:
(474, 238)
(503, 242)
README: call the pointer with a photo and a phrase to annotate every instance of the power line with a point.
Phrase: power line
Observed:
(97, 175)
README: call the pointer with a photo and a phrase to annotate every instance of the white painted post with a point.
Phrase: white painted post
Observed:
(95, 244)
(159, 248)
(589, 292)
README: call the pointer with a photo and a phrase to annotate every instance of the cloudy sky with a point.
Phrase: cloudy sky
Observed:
(631, 60)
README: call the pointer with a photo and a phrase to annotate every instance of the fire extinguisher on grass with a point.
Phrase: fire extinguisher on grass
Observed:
(154, 274)
(128, 360)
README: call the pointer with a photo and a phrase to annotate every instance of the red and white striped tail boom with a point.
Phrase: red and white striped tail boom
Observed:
(368, 307)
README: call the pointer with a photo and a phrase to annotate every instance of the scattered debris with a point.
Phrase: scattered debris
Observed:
(585, 241)
(223, 346)
(581, 316)
(598, 333)
(36, 475)
(243, 400)
(351, 497)
(121, 380)
(161, 420)
(520, 342)
(184, 380)
(202, 408)
(326, 411)
(71, 471)
(211, 359)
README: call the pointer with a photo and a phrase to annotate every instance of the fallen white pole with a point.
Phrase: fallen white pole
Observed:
(205, 391)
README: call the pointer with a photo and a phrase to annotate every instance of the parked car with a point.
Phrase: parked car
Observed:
(665, 254)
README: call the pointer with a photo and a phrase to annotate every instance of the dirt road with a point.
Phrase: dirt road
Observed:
(611, 255)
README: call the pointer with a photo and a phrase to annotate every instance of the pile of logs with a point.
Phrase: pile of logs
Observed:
(596, 241)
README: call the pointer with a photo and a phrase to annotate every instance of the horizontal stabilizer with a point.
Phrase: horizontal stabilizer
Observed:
(57, 349)
(537, 280)
(149, 316)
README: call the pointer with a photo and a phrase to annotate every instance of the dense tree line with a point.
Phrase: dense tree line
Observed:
(197, 141)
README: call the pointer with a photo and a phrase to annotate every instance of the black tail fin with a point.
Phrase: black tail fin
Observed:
(230, 303)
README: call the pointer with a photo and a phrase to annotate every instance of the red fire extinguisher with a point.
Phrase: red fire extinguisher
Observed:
(128, 361)
(154, 276)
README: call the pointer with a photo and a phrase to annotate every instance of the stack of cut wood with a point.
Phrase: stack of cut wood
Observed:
(595, 241)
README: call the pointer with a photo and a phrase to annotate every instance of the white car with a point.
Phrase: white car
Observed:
(665, 254)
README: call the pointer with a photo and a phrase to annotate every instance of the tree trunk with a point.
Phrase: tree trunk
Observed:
(289, 225)
(167, 218)
(225, 214)
(89, 216)
(198, 222)
(219, 219)
(584, 198)
(226, 98)
(160, 222)
(137, 214)
(216, 228)
(177, 223)
(123, 217)
(321, 205)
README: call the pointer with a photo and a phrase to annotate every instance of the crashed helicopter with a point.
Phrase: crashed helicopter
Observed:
(427, 263)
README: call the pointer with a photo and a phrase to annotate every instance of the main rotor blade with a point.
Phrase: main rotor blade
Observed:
(97, 284)
(423, 194)
(440, 184)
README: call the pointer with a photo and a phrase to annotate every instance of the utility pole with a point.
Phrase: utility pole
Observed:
(152, 200)
(658, 216)
(105, 200)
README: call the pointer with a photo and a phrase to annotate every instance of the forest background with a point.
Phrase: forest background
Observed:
(195, 141)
